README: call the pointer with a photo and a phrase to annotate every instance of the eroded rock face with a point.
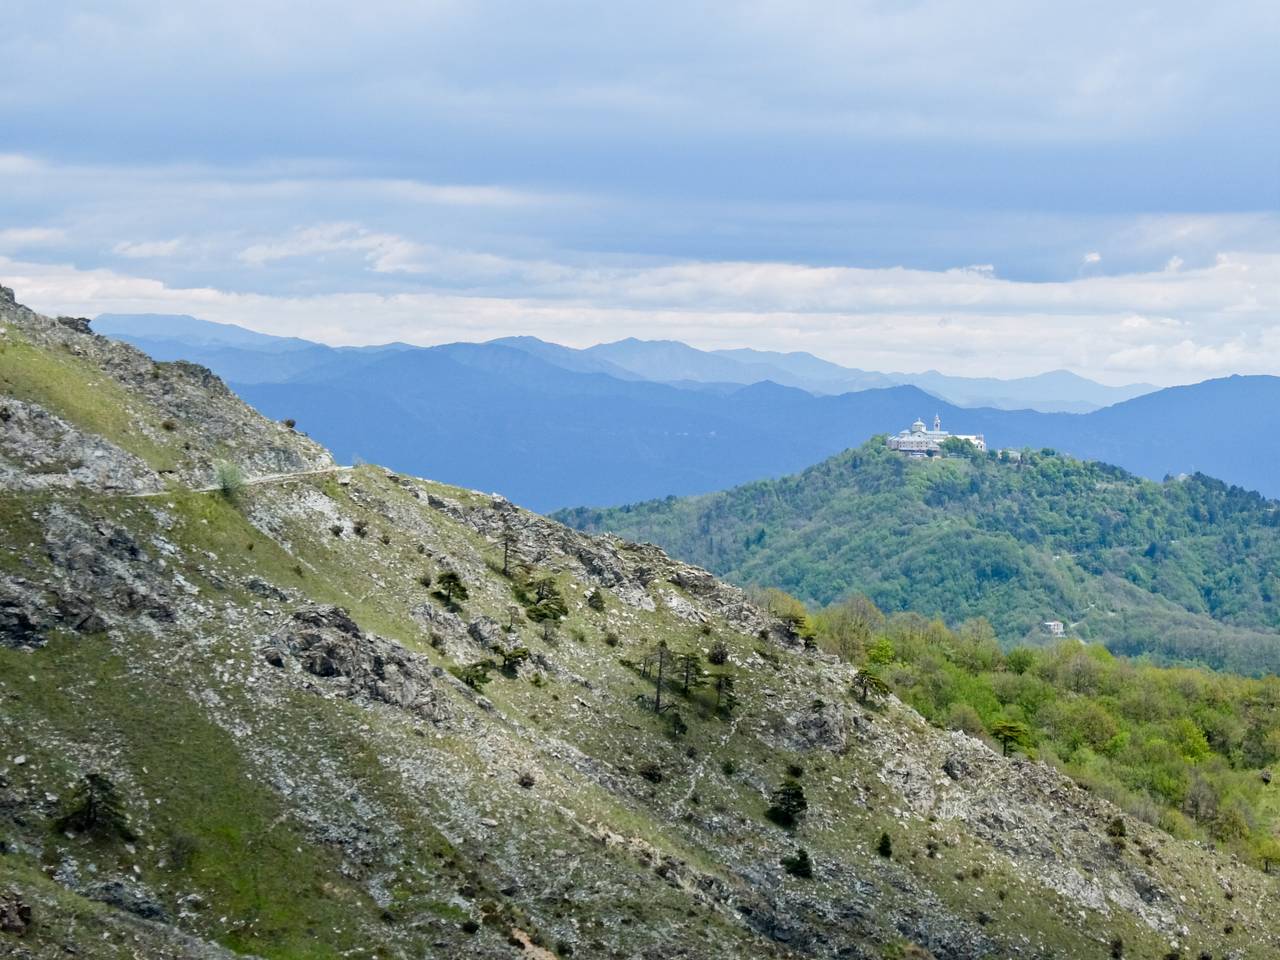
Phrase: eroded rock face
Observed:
(39, 451)
(15, 913)
(100, 560)
(324, 641)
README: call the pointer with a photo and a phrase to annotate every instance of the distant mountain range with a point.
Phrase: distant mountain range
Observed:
(660, 361)
(552, 426)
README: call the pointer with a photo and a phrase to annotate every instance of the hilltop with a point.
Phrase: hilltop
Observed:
(255, 703)
(1188, 569)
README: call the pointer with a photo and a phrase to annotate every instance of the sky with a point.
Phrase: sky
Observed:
(991, 189)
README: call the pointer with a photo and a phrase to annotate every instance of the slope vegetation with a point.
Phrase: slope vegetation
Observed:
(1188, 569)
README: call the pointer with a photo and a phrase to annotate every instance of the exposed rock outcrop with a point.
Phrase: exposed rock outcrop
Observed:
(325, 642)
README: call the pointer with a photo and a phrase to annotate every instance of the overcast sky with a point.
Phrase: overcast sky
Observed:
(983, 188)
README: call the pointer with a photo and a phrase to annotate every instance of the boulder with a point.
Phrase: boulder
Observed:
(487, 633)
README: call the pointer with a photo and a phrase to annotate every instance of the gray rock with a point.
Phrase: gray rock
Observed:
(325, 642)
(129, 897)
(487, 633)
(15, 913)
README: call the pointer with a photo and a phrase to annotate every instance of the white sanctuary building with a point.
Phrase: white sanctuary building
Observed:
(919, 441)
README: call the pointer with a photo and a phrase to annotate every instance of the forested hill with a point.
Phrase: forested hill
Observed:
(1188, 569)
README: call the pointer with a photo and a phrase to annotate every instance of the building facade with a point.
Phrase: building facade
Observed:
(920, 441)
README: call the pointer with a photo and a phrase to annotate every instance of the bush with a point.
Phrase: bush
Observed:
(526, 779)
(595, 600)
(229, 480)
(650, 771)
(799, 865)
(475, 675)
(884, 846)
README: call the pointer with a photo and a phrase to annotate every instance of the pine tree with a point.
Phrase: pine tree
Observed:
(1011, 733)
(689, 669)
(867, 683)
(451, 587)
(788, 804)
(96, 808)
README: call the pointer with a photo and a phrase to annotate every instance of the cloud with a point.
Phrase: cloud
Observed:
(384, 252)
(147, 249)
(1092, 257)
(20, 238)
(1158, 326)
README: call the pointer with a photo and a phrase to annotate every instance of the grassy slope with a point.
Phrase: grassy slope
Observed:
(309, 826)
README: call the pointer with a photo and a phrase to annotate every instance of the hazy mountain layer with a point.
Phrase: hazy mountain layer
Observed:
(554, 427)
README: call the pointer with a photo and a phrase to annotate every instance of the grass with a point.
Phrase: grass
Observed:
(83, 395)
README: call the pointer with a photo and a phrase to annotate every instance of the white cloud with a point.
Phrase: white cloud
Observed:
(384, 252)
(147, 249)
(1092, 257)
(19, 238)
(1159, 326)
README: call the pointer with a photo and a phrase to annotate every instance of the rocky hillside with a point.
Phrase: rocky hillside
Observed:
(327, 712)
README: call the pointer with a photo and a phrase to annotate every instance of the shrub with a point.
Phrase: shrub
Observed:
(476, 675)
(511, 659)
(360, 527)
(611, 639)
(182, 850)
(595, 600)
(650, 771)
(290, 422)
(728, 767)
(719, 654)
(884, 846)
(795, 771)
(168, 426)
(799, 865)
(229, 480)
(526, 779)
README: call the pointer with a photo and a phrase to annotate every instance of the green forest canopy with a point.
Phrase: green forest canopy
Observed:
(1183, 571)
(1187, 749)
